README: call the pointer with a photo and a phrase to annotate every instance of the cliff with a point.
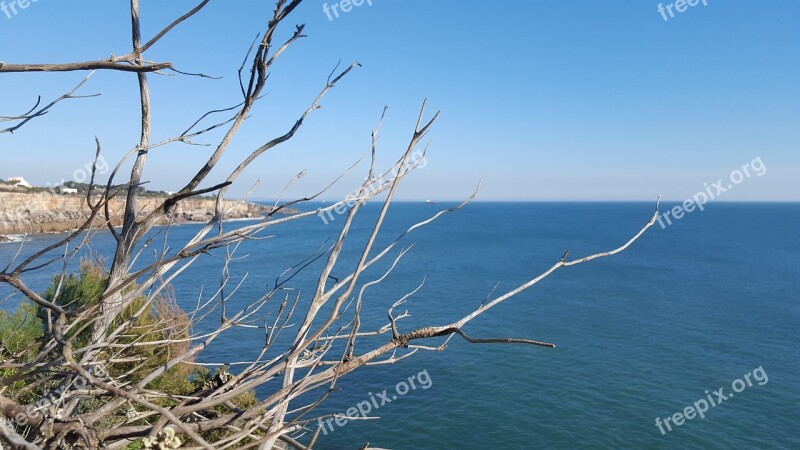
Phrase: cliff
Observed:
(45, 212)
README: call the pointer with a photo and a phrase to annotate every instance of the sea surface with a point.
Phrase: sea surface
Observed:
(711, 301)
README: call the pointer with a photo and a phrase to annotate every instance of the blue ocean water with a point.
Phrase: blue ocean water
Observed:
(641, 335)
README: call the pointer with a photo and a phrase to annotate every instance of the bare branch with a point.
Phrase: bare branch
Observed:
(120, 65)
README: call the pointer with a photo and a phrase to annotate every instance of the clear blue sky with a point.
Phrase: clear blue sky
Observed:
(545, 100)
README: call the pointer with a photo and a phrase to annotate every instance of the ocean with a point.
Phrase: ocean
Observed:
(644, 339)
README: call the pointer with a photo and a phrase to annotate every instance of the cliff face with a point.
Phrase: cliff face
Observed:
(46, 212)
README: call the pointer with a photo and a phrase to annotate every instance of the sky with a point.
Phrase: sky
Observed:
(542, 100)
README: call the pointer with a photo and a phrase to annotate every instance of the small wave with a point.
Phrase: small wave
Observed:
(11, 238)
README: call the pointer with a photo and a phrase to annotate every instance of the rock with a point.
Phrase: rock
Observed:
(46, 212)
(164, 440)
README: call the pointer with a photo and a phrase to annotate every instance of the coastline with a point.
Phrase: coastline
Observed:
(23, 237)
(23, 214)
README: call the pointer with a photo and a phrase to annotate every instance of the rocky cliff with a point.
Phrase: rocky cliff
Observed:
(45, 212)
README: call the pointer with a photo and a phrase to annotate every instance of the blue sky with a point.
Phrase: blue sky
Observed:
(558, 100)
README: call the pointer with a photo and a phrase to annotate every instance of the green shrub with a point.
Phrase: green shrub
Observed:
(22, 333)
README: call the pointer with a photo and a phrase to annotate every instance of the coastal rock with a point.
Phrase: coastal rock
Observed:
(46, 212)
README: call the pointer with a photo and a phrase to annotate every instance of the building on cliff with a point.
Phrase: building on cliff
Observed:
(18, 182)
(67, 190)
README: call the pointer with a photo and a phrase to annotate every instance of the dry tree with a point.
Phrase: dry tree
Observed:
(107, 353)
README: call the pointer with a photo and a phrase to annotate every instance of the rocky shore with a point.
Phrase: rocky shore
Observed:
(45, 212)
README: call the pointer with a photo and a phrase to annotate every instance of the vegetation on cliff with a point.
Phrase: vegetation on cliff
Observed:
(143, 320)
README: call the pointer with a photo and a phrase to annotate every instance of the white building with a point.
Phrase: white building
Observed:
(67, 190)
(18, 182)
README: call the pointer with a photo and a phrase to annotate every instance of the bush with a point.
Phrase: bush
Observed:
(139, 323)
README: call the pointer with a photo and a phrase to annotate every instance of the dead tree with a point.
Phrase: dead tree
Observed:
(86, 350)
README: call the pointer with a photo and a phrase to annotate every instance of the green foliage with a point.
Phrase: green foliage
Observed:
(159, 323)
(19, 335)
(20, 331)
(77, 290)
(83, 188)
